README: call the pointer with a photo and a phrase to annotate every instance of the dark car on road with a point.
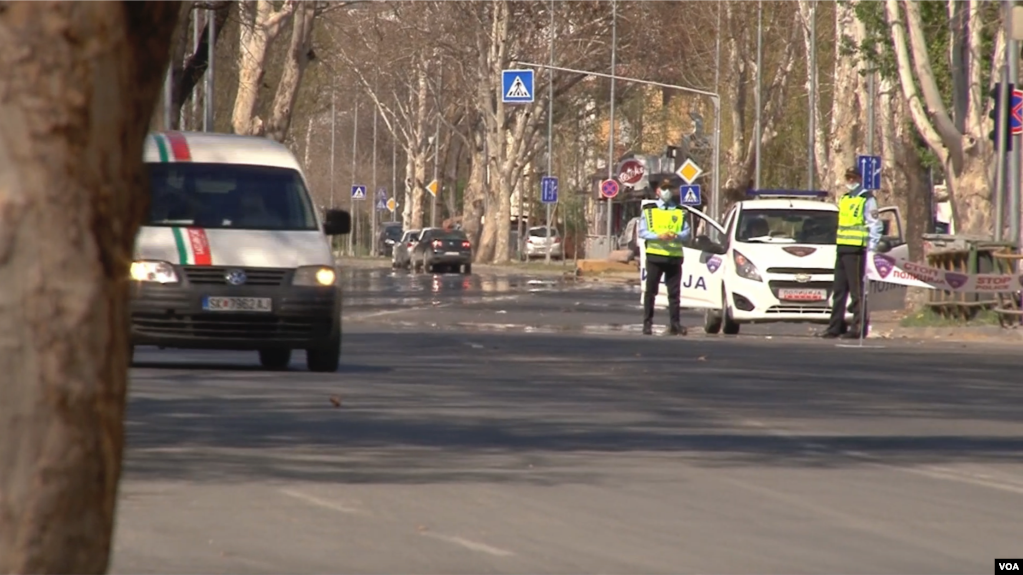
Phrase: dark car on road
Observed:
(390, 234)
(442, 250)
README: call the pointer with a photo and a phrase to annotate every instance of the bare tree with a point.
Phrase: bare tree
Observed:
(80, 80)
(261, 23)
(956, 138)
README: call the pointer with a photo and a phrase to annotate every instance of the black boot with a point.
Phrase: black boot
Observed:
(678, 329)
(648, 328)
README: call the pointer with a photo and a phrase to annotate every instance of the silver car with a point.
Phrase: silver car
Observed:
(400, 255)
(539, 238)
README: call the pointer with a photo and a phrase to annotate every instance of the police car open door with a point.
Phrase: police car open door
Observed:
(703, 256)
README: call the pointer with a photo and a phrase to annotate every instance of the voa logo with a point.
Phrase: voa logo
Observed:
(1005, 566)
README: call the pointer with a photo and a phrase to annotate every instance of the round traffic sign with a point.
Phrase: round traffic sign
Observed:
(631, 172)
(609, 188)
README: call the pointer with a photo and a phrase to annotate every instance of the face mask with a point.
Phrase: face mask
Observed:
(852, 186)
(664, 194)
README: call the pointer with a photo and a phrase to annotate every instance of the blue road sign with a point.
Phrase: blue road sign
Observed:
(517, 86)
(381, 204)
(382, 195)
(549, 190)
(870, 168)
(689, 195)
(358, 192)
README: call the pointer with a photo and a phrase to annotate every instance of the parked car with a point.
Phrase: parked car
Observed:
(439, 249)
(389, 235)
(403, 249)
(539, 238)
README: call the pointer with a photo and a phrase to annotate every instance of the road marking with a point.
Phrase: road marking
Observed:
(471, 545)
(322, 502)
(364, 315)
(930, 471)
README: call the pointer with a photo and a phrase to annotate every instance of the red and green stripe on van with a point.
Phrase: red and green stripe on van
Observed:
(172, 147)
(192, 245)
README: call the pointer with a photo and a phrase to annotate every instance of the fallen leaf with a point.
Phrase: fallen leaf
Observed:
(335, 401)
(702, 358)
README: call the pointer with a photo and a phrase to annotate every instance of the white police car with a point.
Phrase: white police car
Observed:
(771, 261)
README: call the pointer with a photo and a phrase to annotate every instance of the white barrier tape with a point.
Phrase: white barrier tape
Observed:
(896, 270)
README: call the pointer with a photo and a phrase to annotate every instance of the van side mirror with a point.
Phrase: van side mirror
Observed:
(337, 222)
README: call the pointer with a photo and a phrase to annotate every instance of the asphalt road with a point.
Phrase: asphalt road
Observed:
(494, 424)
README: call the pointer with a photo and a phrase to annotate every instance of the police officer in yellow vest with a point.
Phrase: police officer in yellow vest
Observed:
(663, 225)
(859, 231)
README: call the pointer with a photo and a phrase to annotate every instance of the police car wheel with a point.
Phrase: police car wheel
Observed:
(712, 322)
(730, 327)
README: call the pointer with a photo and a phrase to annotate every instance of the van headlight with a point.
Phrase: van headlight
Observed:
(745, 268)
(153, 271)
(314, 276)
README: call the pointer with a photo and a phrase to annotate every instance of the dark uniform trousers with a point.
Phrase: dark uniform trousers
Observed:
(850, 265)
(671, 269)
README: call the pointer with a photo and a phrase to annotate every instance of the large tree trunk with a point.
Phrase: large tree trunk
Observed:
(80, 80)
(418, 190)
(849, 104)
(299, 54)
(260, 25)
(472, 202)
(488, 240)
(252, 46)
(186, 74)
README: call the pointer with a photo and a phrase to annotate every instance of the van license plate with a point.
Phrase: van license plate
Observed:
(258, 304)
(803, 294)
(451, 253)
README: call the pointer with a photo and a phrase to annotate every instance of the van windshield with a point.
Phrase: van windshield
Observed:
(229, 196)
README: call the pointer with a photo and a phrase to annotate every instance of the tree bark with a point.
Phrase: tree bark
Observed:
(299, 56)
(260, 25)
(848, 108)
(185, 74)
(79, 85)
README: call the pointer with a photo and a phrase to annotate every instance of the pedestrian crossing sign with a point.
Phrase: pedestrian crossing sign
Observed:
(517, 86)
(689, 195)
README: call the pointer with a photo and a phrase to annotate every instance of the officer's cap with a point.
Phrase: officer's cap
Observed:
(853, 173)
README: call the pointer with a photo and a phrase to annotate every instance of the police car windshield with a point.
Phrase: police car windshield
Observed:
(818, 227)
(229, 196)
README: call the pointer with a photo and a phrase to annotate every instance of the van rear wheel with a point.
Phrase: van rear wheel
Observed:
(275, 359)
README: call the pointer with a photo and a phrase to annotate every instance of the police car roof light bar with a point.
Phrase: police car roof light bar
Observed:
(800, 194)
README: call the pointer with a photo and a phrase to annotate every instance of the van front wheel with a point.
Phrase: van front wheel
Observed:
(325, 359)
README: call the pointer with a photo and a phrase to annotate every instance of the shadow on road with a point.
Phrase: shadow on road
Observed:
(448, 407)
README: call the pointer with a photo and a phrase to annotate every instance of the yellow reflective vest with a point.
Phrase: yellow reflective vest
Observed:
(852, 220)
(665, 220)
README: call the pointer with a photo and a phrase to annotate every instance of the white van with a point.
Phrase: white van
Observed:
(233, 254)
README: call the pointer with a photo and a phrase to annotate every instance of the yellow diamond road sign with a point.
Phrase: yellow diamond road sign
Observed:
(689, 171)
(391, 204)
(432, 187)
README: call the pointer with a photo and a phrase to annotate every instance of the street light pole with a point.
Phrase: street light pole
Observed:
(812, 96)
(372, 199)
(211, 26)
(611, 117)
(550, 129)
(436, 153)
(333, 137)
(715, 200)
(351, 199)
(759, 127)
(394, 176)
